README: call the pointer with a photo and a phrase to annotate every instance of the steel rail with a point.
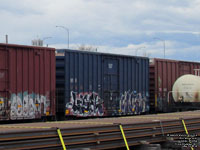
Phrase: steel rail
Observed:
(103, 145)
(102, 137)
(97, 136)
(88, 130)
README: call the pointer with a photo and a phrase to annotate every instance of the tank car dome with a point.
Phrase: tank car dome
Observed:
(187, 89)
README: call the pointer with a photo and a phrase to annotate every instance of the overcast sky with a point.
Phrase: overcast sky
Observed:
(114, 26)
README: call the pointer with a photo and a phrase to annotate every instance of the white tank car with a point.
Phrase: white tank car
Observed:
(187, 89)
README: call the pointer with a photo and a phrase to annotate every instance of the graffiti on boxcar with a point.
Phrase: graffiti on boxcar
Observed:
(133, 103)
(85, 104)
(28, 105)
(162, 100)
(2, 106)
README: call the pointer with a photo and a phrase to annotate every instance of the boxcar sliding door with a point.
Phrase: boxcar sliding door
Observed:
(111, 84)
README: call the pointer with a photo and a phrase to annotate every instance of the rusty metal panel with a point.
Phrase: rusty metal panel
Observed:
(28, 82)
(163, 74)
(3, 81)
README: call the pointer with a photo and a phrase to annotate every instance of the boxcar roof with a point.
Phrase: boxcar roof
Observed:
(24, 46)
(100, 53)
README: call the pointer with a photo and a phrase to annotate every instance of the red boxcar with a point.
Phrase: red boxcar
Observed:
(163, 74)
(27, 82)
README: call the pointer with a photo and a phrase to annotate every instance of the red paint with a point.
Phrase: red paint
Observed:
(163, 74)
(27, 69)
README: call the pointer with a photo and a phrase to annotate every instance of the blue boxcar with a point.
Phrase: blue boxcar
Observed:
(101, 84)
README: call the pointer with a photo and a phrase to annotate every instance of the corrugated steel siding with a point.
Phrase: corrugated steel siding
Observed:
(28, 88)
(163, 74)
(98, 84)
(60, 84)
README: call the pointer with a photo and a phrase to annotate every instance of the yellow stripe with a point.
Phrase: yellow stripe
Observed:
(152, 117)
(179, 114)
(61, 139)
(124, 137)
(186, 131)
(76, 122)
(25, 127)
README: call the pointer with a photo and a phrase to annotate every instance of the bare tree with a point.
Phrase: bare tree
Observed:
(145, 54)
(87, 48)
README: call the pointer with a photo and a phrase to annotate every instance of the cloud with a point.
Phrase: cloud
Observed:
(117, 25)
(173, 50)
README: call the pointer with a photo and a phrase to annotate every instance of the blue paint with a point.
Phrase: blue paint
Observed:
(108, 75)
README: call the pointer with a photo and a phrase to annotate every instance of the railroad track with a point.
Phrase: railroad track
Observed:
(94, 135)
